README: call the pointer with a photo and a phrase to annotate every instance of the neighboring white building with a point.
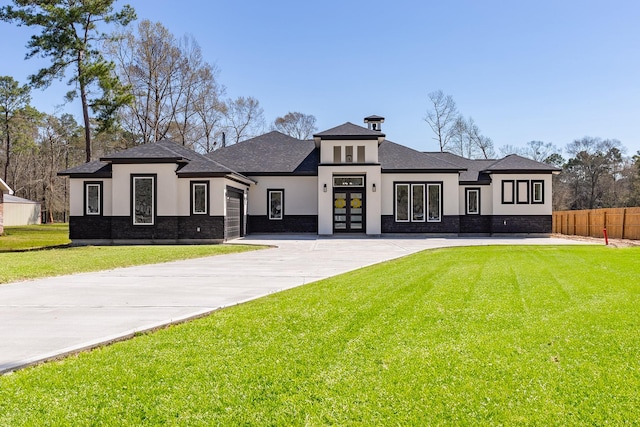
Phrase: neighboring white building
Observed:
(4, 191)
(19, 211)
(348, 179)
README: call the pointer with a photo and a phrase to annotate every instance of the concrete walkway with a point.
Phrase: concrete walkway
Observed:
(48, 318)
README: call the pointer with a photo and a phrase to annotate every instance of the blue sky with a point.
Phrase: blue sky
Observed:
(553, 71)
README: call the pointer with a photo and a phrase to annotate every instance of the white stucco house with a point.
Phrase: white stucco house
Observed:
(348, 179)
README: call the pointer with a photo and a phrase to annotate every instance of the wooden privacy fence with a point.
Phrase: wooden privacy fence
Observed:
(621, 223)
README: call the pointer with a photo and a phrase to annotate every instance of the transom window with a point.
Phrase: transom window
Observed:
(143, 200)
(348, 181)
(92, 197)
(414, 200)
(199, 198)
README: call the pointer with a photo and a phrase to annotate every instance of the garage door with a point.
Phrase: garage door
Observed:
(233, 223)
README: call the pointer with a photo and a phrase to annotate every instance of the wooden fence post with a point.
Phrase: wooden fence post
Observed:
(624, 217)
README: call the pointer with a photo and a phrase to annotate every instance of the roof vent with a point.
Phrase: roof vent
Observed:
(374, 122)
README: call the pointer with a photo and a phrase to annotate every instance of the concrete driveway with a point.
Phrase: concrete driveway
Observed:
(48, 318)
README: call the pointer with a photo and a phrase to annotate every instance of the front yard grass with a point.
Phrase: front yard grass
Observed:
(34, 237)
(534, 335)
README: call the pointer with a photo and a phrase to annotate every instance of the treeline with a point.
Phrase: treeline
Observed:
(595, 174)
(138, 85)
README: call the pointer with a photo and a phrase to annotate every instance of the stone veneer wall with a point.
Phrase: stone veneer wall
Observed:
(449, 224)
(166, 228)
(521, 224)
(288, 224)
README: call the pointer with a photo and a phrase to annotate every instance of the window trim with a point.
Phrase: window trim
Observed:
(154, 207)
(513, 194)
(535, 182)
(525, 192)
(410, 185)
(441, 203)
(271, 191)
(467, 192)
(193, 185)
(395, 201)
(88, 184)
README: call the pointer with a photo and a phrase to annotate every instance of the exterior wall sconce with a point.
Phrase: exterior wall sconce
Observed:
(374, 187)
(324, 188)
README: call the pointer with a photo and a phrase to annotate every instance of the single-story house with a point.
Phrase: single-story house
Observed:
(348, 179)
(20, 211)
(4, 191)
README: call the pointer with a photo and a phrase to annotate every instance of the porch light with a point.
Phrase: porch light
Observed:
(374, 187)
(324, 188)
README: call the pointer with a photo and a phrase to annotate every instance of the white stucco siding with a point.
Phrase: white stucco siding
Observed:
(370, 156)
(76, 196)
(486, 199)
(450, 189)
(300, 194)
(166, 185)
(528, 208)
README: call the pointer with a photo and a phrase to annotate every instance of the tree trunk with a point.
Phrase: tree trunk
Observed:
(7, 147)
(85, 106)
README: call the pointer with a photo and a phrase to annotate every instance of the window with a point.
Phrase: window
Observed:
(537, 192)
(349, 154)
(143, 200)
(411, 204)
(434, 211)
(473, 201)
(337, 154)
(93, 198)
(402, 202)
(361, 158)
(199, 198)
(507, 192)
(276, 203)
(522, 192)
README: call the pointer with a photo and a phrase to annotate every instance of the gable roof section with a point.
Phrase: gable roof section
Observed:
(349, 131)
(474, 169)
(271, 153)
(4, 187)
(395, 158)
(164, 151)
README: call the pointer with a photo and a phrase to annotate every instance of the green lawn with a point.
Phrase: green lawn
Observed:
(34, 237)
(19, 262)
(460, 336)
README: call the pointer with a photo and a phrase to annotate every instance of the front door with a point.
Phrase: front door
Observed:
(348, 210)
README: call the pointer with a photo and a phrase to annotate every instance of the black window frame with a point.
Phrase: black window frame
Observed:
(271, 191)
(192, 198)
(533, 186)
(467, 191)
(99, 184)
(526, 191)
(513, 191)
(154, 194)
(410, 214)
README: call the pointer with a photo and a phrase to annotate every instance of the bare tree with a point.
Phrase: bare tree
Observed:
(466, 140)
(13, 100)
(296, 125)
(244, 118)
(442, 118)
(534, 150)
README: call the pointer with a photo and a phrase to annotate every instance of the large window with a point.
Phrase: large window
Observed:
(143, 199)
(199, 198)
(93, 198)
(472, 201)
(414, 200)
(537, 192)
(275, 200)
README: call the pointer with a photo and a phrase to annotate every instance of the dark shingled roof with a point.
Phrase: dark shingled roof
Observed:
(513, 163)
(271, 153)
(160, 151)
(349, 131)
(474, 168)
(97, 169)
(397, 157)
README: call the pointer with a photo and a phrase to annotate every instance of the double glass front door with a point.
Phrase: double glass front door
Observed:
(348, 210)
